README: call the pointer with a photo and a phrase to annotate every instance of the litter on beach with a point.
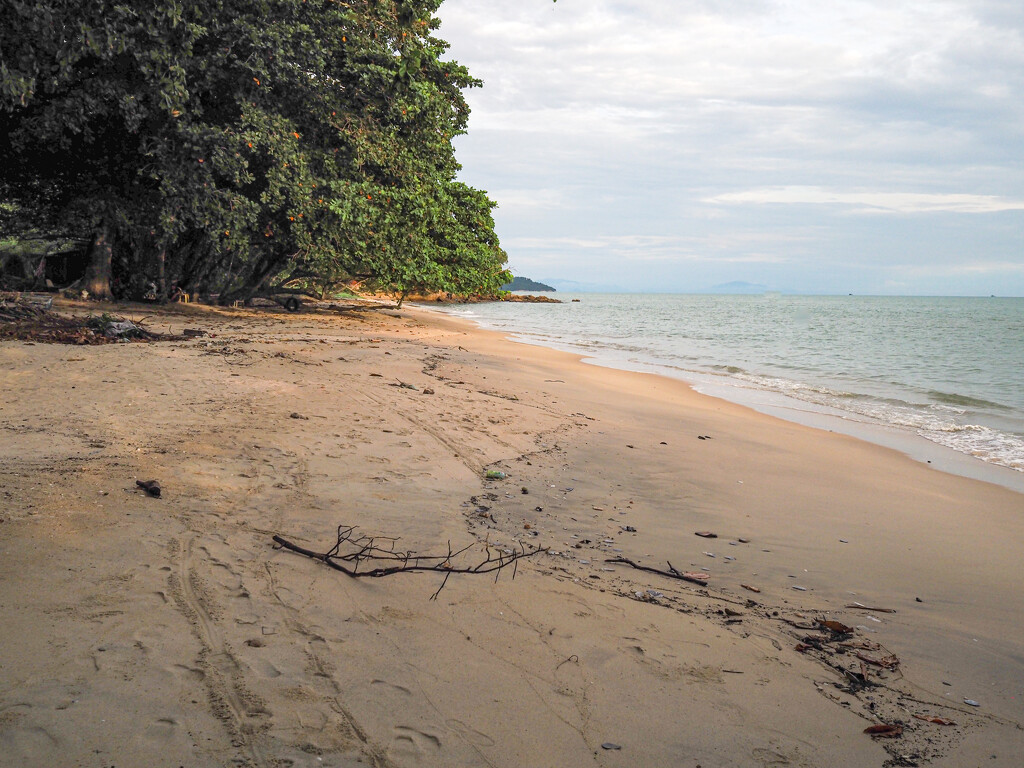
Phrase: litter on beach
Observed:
(855, 604)
(936, 720)
(151, 487)
(884, 731)
(835, 626)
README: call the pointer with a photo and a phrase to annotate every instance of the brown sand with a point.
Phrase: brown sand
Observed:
(169, 632)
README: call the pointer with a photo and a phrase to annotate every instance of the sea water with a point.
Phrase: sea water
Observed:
(948, 370)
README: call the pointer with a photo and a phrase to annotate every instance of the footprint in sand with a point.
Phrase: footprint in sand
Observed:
(159, 733)
(265, 669)
(399, 688)
(413, 743)
(473, 736)
(24, 743)
(192, 674)
(768, 757)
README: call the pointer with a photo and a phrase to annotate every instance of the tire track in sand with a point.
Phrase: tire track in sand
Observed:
(385, 406)
(231, 702)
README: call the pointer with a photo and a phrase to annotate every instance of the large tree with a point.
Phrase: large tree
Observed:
(225, 143)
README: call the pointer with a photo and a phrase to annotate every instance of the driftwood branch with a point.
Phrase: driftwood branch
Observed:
(377, 556)
(671, 573)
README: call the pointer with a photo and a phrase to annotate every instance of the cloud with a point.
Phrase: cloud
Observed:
(878, 202)
(967, 268)
(528, 199)
(748, 132)
(674, 248)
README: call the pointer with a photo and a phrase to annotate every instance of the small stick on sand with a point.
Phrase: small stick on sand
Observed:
(672, 573)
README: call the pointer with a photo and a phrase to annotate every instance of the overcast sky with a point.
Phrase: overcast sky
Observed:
(862, 146)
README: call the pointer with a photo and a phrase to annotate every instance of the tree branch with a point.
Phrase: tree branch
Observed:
(672, 573)
(375, 557)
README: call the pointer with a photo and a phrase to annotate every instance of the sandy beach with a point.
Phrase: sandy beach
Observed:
(171, 631)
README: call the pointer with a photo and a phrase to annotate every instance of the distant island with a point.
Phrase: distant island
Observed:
(525, 284)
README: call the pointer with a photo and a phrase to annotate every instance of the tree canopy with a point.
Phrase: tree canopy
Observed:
(225, 144)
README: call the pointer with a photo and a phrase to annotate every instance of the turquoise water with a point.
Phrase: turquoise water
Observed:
(950, 370)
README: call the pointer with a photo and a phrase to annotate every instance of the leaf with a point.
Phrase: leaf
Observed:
(936, 720)
(884, 731)
(888, 662)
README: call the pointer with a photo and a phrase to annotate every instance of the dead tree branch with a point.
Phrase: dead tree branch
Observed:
(672, 573)
(376, 556)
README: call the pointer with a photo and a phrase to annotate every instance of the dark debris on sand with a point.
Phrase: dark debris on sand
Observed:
(29, 319)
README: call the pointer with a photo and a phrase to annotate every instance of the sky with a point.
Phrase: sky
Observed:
(863, 146)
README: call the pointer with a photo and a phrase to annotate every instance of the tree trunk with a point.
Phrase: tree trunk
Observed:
(97, 276)
(161, 275)
(266, 266)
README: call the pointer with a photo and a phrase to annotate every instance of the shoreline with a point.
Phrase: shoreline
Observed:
(940, 457)
(172, 627)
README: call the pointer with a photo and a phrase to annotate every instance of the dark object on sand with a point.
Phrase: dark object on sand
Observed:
(672, 573)
(871, 608)
(835, 626)
(936, 720)
(377, 556)
(151, 487)
(706, 534)
(884, 731)
(27, 320)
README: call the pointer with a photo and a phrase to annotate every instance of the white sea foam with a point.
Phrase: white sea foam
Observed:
(945, 369)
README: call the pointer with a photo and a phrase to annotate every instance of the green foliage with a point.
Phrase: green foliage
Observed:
(224, 143)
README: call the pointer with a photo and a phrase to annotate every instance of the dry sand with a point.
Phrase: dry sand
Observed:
(169, 631)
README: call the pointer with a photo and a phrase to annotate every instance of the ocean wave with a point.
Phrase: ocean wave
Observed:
(873, 365)
(948, 398)
(937, 424)
(983, 443)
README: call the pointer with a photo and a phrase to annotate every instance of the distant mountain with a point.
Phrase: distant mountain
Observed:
(739, 286)
(526, 284)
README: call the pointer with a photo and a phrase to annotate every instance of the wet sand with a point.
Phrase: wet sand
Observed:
(170, 631)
